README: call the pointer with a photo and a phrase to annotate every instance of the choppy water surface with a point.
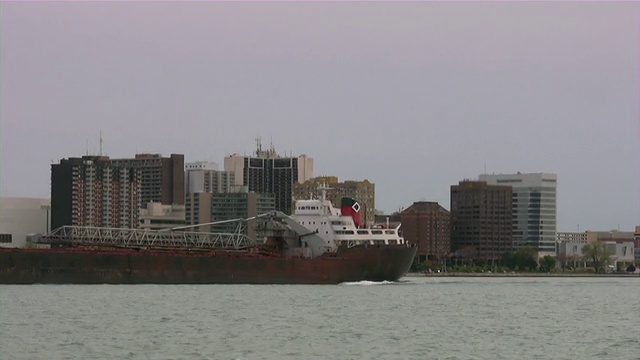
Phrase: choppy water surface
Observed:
(417, 318)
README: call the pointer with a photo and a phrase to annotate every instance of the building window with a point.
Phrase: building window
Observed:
(5, 238)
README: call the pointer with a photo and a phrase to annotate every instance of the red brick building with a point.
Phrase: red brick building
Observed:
(428, 225)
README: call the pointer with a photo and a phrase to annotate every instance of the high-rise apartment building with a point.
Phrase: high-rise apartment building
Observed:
(98, 191)
(205, 177)
(161, 178)
(362, 191)
(93, 191)
(268, 173)
(534, 209)
(428, 225)
(481, 217)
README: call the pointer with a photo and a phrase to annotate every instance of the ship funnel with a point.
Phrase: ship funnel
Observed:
(350, 207)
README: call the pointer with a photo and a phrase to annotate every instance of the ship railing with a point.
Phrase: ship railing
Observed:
(97, 236)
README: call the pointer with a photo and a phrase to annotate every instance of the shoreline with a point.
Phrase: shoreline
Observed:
(460, 274)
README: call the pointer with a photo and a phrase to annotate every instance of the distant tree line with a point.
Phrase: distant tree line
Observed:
(594, 255)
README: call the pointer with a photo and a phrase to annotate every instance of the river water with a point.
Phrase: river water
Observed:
(416, 318)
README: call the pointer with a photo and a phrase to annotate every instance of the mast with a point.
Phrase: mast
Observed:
(323, 198)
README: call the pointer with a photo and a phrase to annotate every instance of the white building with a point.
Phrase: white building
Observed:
(534, 209)
(621, 252)
(571, 253)
(204, 177)
(636, 241)
(22, 216)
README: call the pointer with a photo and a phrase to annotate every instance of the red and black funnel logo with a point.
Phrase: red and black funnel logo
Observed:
(350, 207)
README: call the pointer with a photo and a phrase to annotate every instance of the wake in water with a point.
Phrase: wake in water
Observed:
(368, 283)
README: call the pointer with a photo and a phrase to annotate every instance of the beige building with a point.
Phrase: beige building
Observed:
(363, 191)
(22, 216)
(198, 211)
(576, 237)
(593, 236)
(157, 216)
(205, 177)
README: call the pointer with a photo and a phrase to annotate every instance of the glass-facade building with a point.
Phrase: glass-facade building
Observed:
(534, 200)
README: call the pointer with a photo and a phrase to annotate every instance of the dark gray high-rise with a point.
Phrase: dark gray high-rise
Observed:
(481, 218)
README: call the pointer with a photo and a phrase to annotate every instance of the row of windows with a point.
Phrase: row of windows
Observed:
(308, 207)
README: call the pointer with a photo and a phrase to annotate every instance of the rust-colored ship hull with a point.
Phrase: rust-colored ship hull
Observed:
(128, 266)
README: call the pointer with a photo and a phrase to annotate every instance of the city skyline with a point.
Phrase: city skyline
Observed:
(412, 96)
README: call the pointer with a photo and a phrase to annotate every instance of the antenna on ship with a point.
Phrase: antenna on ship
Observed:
(323, 191)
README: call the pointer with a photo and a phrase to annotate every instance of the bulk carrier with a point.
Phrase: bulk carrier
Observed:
(318, 244)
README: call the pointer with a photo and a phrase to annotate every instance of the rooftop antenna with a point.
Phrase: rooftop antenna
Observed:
(100, 142)
(87, 146)
(258, 145)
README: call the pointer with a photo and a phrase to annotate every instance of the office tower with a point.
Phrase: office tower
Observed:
(268, 173)
(205, 177)
(239, 205)
(534, 209)
(481, 217)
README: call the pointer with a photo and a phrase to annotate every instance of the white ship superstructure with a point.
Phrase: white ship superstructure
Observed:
(328, 222)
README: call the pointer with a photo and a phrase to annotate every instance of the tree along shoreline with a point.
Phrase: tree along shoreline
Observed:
(531, 274)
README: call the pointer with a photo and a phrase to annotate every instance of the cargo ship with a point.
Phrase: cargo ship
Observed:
(318, 244)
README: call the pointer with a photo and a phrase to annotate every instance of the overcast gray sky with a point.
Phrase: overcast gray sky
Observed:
(412, 96)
